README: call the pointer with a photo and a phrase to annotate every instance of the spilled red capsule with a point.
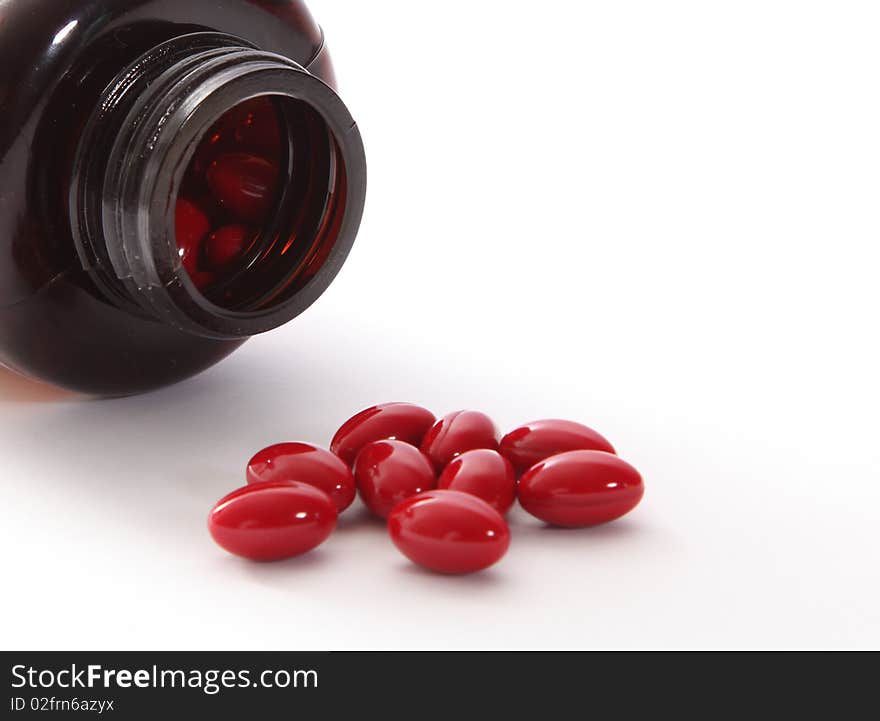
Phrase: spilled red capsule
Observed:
(580, 488)
(307, 464)
(271, 521)
(388, 472)
(449, 531)
(191, 225)
(244, 184)
(456, 433)
(227, 244)
(533, 442)
(397, 421)
(482, 473)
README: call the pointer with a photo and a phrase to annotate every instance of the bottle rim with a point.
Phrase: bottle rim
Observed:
(132, 159)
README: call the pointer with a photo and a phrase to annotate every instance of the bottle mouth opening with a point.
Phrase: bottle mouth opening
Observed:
(232, 191)
(258, 206)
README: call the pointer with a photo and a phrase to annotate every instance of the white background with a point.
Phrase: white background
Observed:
(660, 219)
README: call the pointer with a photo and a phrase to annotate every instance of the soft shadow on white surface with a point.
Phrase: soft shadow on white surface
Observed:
(454, 585)
(530, 528)
(301, 566)
(357, 519)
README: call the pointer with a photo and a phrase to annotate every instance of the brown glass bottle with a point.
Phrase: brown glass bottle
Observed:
(114, 114)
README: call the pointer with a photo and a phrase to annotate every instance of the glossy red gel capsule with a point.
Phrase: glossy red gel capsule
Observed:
(449, 531)
(305, 463)
(202, 279)
(533, 442)
(580, 488)
(388, 472)
(226, 245)
(396, 421)
(244, 184)
(271, 521)
(456, 433)
(258, 127)
(191, 225)
(251, 126)
(482, 473)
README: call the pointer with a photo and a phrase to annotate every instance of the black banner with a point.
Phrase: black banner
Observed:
(239, 685)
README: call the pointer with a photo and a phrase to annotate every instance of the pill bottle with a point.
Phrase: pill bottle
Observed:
(175, 177)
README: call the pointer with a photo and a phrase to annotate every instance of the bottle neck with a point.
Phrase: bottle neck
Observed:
(132, 159)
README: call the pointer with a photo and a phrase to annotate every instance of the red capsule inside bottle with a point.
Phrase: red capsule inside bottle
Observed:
(191, 226)
(259, 175)
(203, 278)
(388, 472)
(449, 531)
(252, 125)
(226, 245)
(233, 181)
(304, 463)
(244, 184)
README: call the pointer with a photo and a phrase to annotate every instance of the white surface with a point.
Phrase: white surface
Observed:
(660, 219)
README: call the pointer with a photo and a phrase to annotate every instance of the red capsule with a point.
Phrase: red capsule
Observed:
(271, 521)
(449, 531)
(396, 421)
(251, 127)
(388, 472)
(226, 245)
(191, 225)
(456, 433)
(308, 464)
(244, 184)
(533, 442)
(254, 125)
(482, 473)
(580, 488)
(202, 279)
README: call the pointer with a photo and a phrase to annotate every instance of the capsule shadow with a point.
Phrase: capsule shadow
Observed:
(267, 570)
(490, 578)
(359, 518)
